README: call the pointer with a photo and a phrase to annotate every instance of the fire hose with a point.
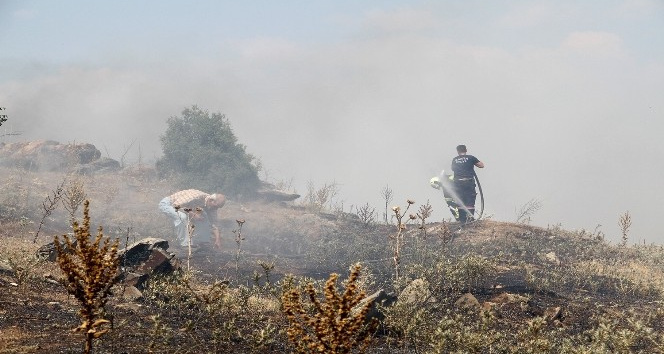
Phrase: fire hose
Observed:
(479, 187)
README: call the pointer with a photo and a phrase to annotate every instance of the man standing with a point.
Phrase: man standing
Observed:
(192, 207)
(464, 182)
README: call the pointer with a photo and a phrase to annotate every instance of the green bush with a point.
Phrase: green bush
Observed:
(201, 151)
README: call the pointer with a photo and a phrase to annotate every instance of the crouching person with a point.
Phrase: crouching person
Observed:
(192, 207)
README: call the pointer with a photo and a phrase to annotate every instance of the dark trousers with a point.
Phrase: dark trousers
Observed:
(448, 189)
(465, 190)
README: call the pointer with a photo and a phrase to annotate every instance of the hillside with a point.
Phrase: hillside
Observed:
(490, 286)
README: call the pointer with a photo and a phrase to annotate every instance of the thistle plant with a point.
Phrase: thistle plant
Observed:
(335, 326)
(90, 273)
(423, 213)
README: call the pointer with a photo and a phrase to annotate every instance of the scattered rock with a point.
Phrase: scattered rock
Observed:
(140, 251)
(507, 298)
(103, 165)
(49, 253)
(487, 306)
(379, 300)
(535, 307)
(135, 279)
(415, 292)
(131, 293)
(270, 195)
(131, 306)
(49, 278)
(142, 260)
(467, 301)
(552, 313)
(6, 269)
(552, 258)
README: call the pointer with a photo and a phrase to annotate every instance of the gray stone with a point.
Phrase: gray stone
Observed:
(276, 196)
(416, 292)
(131, 293)
(140, 251)
(6, 269)
(47, 155)
(379, 300)
(49, 253)
(467, 301)
(553, 313)
(102, 165)
(551, 257)
(144, 259)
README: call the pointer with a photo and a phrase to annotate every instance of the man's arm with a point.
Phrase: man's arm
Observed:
(479, 164)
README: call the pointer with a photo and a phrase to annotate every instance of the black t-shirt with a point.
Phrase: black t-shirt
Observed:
(463, 166)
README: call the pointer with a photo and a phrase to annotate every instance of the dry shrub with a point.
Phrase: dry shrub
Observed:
(90, 273)
(334, 326)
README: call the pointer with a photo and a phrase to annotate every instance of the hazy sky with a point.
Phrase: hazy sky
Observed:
(562, 100)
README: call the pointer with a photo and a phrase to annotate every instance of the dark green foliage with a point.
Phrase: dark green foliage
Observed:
(3, 117)
(202, 152)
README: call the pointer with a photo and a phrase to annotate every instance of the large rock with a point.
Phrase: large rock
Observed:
(49, 155)
(144, 259)
(138, 252)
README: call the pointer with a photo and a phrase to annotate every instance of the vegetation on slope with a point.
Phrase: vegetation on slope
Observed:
(489, 287)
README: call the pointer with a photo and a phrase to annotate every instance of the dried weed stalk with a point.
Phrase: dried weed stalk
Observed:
(334, 327)
(528, 210)
(190, 232)
(625, 223)
(90, 273)
(72, 197)
(367, 215)
(398, 237)
(317, 199)
(238, 241)
(49, 205)
(387, 195)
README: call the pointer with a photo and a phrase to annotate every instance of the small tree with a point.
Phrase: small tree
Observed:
(201, 151)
